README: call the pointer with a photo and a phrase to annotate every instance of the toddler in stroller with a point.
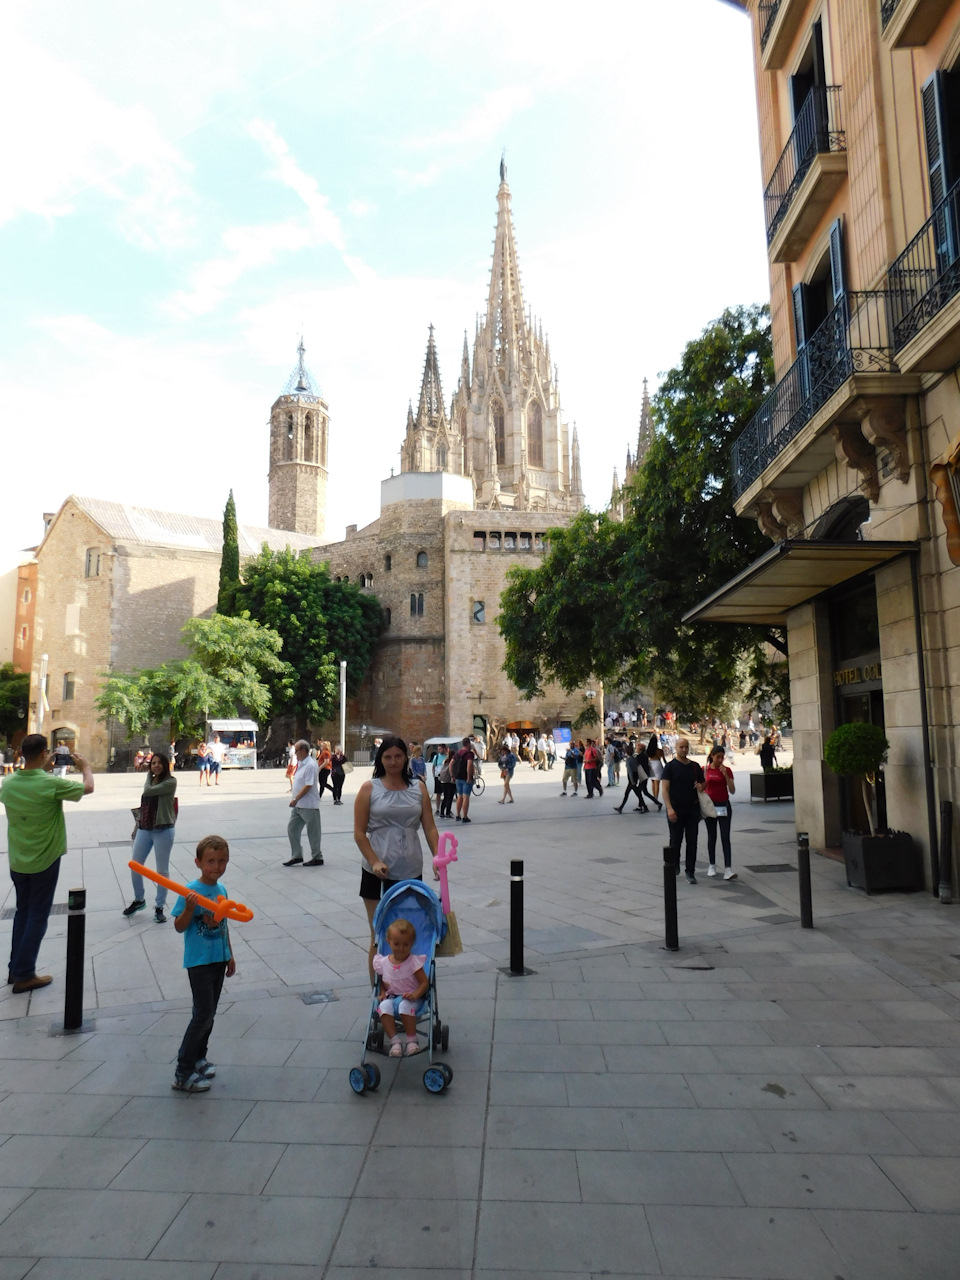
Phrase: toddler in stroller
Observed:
(408, 918)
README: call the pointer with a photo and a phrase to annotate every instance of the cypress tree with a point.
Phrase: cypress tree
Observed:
(230, 558)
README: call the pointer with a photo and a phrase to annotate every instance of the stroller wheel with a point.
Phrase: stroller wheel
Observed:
(447, 1071)
(434, 1080)
(373, 1075)
(378, 1040)
(437, 1035)
(445, 1040)
(358, 1079)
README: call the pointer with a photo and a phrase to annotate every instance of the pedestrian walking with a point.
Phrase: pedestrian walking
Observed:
(634, 782)
(338, 773)
(155, 829)
(305, 806)
(591, 768)
(507, 763)
(719, 785)
(572, 761)
(682, 781)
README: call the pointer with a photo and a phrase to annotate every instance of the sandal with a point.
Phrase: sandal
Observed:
(412, 1048)
(396, 1050)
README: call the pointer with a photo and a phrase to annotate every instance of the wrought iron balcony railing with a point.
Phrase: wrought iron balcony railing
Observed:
(887, 9)
(768, 16)
(818, 128)
(854, 338)
(927, 274)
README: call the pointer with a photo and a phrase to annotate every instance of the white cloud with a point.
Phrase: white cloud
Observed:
(70, 138)
(247, 248)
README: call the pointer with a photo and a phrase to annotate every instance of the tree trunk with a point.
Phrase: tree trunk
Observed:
(867, 791)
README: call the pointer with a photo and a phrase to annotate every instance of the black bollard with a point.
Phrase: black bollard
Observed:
(517, 969)
(803, 872)
(76, 930)
(671, 862)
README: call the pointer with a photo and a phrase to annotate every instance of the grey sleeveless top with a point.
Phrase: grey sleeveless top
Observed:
(392, 829)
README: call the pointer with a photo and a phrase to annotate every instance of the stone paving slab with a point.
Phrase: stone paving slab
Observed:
(769, 1102)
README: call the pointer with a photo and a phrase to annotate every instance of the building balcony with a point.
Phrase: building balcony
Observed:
(847, 364)
(810, 171)
(779, 23)
(907, 23)
(924, 285)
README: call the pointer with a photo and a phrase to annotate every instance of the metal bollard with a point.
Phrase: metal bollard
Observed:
(671, 864)
(76, 931)
(517, 969)
(803, 872)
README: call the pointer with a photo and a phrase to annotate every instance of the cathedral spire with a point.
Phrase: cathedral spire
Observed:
(646, 433)
(431, 393)
(576, 478)
(505, 315)
(425, 446)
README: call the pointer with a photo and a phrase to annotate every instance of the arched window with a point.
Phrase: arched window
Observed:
(368, 580)
(416, 604)
(288, 440)
(387, 617)
(387, 564)
(69, 686)
(23, 636)
(309, 440)
(535, 434)
(441, 457)
(498, 434)
(421, 559)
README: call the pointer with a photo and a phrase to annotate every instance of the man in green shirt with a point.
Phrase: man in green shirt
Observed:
(37, 837)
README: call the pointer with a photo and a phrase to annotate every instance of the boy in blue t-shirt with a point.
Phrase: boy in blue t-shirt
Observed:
(207, 959)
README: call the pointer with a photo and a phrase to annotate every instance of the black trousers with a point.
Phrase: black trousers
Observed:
(336, 785)
(449, 790)
(592, 779)
(637, 791)
(206, 983)
(685, 828)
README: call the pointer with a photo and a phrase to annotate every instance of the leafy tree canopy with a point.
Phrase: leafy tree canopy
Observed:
(320, 622)
(230, 558)
(607, 600)
(14, 697)
(232, 660)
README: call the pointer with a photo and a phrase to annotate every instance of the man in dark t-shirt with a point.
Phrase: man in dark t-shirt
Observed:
(767, 754)
(682, 779)
(463, 773)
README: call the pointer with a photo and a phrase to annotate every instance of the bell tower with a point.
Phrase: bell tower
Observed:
(299, 431)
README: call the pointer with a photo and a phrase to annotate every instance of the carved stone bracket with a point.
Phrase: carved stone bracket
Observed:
(766, 517)
(788, 509)
(884, 424)
(859, 455)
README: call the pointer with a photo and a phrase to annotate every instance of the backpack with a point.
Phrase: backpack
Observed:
(444, 774)
(571, 758)
(459, 769)
(617, 754)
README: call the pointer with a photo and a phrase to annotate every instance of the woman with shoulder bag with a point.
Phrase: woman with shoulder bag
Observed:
(719, 786)
(448, 786)
(337, 773)
(156, 820)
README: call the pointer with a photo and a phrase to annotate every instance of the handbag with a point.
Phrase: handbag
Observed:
(642, 775)
(707, 807)
(347, 767)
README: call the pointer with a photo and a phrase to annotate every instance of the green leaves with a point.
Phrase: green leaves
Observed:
(606, 602)
(14, 699)
(230, 558)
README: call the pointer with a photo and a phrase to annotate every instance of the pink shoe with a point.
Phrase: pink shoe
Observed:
(396, 1050)
(412, 1048)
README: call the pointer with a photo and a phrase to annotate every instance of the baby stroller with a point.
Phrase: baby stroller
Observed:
(409, 900)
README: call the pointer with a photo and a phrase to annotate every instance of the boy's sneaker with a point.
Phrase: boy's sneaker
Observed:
(158, 915)
(136, 905)
(206, 1069)
(711, 870)
(193, 1083)
(729, 875)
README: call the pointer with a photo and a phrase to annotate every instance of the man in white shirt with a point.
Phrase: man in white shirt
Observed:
(305, 809)
(215, 751)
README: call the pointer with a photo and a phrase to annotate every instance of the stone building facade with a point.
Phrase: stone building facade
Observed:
(852, 465)
(114, 586)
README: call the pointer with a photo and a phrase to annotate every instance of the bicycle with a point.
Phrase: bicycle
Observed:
(478, 786)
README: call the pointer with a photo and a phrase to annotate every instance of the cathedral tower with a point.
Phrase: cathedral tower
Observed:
(506, 410)
(431, 444)
(644, 438)
(299, 429)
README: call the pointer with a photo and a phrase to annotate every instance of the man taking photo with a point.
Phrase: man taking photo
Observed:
(37, 837)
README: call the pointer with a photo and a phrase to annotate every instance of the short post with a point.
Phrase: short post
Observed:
(671, 864)
(76, 931)
(517, 969)
(946, 851)
(803, 872)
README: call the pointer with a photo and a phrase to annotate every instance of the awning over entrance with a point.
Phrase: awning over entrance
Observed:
(790, 574)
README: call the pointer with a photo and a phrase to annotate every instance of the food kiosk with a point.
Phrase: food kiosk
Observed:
(240, 740)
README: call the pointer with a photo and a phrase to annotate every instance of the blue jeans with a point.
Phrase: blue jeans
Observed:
(35, 890)
(206, 983)
(161, 842)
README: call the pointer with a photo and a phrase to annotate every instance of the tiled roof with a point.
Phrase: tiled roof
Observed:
(124, 523)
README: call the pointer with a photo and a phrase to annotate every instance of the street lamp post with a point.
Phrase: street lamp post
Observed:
(343, 705)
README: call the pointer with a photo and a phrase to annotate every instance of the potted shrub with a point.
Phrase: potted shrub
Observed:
(874, 859)
(777, 784)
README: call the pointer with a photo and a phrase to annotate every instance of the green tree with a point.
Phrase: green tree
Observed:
(608, 599)
(230, 558)
(320, 622)
(231, 661)
(14, 699)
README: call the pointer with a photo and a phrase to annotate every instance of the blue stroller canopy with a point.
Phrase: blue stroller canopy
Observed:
(414, 901)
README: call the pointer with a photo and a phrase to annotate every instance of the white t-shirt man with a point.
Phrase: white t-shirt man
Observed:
(215, 751)
(307, 774)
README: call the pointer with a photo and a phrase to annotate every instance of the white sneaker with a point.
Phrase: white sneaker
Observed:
(711, 870)
(729, 875)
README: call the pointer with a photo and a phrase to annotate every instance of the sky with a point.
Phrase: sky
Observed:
(189, 187)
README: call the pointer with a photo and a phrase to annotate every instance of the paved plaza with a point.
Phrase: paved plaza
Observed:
(768, 1103)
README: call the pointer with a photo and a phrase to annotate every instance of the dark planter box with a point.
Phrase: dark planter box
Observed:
(882, 862)
(771, 786)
